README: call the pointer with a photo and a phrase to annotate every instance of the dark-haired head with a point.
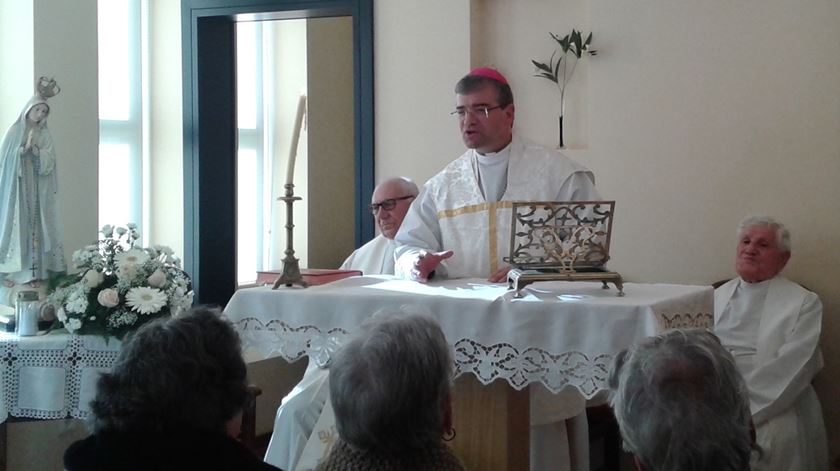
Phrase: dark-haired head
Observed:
(174, 374)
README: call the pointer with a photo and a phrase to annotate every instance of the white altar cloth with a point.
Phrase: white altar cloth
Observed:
(52, 376)
(557, 334)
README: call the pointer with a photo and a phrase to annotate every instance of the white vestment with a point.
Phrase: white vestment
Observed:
(778, 363)
(374, 258)
(300, 409)
(452, 213)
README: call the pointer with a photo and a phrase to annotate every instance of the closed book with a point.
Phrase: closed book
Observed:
(313, 276)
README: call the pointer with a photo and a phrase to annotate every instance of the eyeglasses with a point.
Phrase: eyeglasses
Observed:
(478, 111)
(388, 204)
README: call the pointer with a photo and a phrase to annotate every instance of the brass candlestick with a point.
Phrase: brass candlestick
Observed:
(291, 269)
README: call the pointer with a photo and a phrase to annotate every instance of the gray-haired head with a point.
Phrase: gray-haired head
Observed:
(390, 202)
(390, 384)
(681, 404)
(782, 233)
(405, 185)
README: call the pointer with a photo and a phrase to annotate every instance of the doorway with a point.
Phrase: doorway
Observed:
(211, 131)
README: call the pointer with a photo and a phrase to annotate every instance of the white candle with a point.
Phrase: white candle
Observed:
(290, 168)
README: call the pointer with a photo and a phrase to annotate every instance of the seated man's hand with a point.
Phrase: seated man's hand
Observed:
(500, 276)
(426, 262)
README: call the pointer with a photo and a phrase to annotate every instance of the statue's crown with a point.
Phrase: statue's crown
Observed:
(47, 87)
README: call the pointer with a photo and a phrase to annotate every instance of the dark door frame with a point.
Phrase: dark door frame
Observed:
(209, 77)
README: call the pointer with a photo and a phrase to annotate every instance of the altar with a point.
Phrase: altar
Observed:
(558, 334)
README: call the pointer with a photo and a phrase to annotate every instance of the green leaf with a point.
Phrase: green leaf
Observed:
(541, 66)
(548, 76)
(565, 44)
(578, 42)
(588, 40)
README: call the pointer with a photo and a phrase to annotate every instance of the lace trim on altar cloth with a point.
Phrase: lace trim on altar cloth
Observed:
(533, 365)
(701, 320)
(487, 362)
(53, 381)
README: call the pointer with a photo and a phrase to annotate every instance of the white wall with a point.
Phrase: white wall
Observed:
(693, 115)
(17, 79)
(420, 47)
(65, 48)
(702, 113)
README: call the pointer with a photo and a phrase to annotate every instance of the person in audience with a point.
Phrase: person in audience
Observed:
(390, 388)
(681, 404)
(389, 203)
(172, 401)
(459, 226)
(300, 409)
(772, 327)
(463, 212)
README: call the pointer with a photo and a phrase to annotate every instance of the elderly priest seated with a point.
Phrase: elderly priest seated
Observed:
(301, 408)
(772, 327)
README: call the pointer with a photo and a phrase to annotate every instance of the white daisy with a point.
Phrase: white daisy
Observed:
(145, 300)
(131, 257)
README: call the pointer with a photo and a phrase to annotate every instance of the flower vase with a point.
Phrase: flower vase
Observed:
(561, 145)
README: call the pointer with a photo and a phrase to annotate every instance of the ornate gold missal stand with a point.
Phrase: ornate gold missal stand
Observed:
(561, 241)
(291, 269)
(518, 279)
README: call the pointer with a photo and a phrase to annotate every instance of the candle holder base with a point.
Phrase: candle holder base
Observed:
(290, 275)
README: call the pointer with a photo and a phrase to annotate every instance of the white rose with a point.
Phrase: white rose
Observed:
(107, 230)
(93, 278)
(108, 297)
(156, 279)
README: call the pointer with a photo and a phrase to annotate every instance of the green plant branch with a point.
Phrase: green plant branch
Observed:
(571, 44)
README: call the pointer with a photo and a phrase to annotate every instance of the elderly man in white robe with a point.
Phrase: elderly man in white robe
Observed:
(772, 327)
(300, 409)
(389, 204)
(459, 226)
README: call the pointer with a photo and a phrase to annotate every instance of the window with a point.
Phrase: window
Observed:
(270, 75)
(121, 44)
(249, 159)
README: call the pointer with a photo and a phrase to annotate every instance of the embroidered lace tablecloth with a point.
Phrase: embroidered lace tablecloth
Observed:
(558, 334)
(51, 376)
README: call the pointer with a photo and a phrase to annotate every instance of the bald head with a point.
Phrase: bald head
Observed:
(399, 192)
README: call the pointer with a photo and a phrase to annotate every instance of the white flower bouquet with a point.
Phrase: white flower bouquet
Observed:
(120, 287)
